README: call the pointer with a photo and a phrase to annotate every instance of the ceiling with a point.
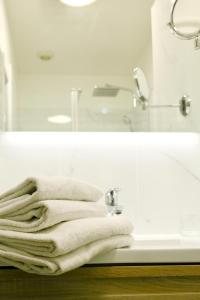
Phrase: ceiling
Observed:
(105, 38)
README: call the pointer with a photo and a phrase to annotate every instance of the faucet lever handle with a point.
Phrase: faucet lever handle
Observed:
(112, 197)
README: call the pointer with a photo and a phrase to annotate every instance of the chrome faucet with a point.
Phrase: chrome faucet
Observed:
(111, 199)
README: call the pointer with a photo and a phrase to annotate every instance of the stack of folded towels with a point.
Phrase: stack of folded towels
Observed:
(51, 225)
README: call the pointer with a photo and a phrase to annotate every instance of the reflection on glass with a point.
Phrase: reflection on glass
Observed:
(57, 47)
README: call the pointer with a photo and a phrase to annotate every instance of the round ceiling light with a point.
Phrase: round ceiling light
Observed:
(77, 3)
(60, 119)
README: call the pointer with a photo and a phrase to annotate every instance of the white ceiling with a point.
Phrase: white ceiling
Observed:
(105, 38)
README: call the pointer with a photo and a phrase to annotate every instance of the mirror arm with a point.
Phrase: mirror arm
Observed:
(184, 106)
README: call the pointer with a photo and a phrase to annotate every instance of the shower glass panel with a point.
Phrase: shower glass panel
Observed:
(110, 110)
(59, 107)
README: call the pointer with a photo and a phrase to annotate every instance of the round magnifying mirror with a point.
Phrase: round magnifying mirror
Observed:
(142, 87)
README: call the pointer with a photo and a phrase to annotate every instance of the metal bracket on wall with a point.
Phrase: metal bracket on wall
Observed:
(184, 105)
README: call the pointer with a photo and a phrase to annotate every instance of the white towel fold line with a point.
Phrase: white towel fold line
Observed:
(67, 236)
(44, 214)
(64, 263)
(50, 188)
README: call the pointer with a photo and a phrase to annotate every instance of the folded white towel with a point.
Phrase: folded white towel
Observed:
(64, 263)
(48, 188)
(44, 214)
(82, 230)
(64, 247)
(20, 210)
(67, 236)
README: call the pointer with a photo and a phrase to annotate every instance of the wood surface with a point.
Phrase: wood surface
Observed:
(159, 282)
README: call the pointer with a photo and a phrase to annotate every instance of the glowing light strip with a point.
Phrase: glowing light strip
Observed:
(106, 139)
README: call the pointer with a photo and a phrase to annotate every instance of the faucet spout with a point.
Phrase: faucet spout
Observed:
(111, 199)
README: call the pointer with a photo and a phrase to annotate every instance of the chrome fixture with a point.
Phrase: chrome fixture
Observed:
(111, 199)
(184, 106)
(142, 96)
(109, 90)
(182, 35)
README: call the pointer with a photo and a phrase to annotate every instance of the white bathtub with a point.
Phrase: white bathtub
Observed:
(155, 249)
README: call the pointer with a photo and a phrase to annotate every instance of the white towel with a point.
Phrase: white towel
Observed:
(65, 246)
(44, 214)
(67, 236)
(64, 263)
(48, 188)
(39, 202)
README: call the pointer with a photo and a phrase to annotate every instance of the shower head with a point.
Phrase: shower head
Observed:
(105, 91)
(109, 90)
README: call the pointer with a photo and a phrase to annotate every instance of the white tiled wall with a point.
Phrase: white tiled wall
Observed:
(158, 173)
(176, 66)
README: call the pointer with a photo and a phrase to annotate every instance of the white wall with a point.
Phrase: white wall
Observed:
(176, 66)
(6, 48)
(158, 173)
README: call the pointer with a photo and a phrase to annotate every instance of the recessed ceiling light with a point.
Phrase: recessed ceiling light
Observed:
(77, 3)
(60, 119)
(46, 55)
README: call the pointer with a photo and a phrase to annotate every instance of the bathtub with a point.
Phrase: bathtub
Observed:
(155, 249)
